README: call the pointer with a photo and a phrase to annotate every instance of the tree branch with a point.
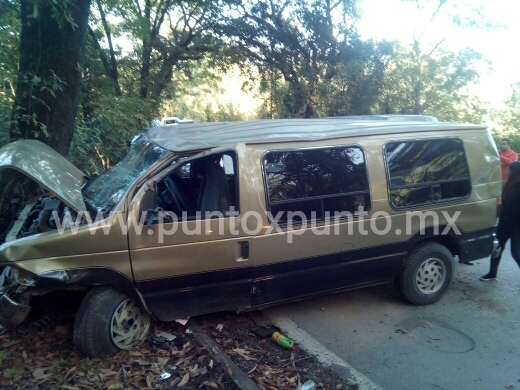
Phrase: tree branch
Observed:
(112, 71)
(105, 61)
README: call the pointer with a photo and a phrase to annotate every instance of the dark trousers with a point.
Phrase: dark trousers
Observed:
(503, 235)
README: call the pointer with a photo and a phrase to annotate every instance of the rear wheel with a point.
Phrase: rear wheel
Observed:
(426, 274)
(107, 322)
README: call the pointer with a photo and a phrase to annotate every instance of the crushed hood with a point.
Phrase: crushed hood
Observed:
(48, 168)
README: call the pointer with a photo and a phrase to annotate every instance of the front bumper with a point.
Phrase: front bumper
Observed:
(12, 312)
(13, 297)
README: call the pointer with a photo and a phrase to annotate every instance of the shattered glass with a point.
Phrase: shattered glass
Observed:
(107, 189)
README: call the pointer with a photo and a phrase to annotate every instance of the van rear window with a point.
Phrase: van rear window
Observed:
(316, 183)
(422, 172)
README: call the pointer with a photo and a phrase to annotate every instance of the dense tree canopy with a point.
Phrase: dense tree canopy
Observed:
(508, 119)
(150, 58)
(299, 41)
(444, 80)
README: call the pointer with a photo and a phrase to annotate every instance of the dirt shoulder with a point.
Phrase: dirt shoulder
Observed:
(269, 365)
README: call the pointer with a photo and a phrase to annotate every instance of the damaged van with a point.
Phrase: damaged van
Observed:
(243, 215)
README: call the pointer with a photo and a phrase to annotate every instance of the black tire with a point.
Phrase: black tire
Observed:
(101, 316)
(426, 274)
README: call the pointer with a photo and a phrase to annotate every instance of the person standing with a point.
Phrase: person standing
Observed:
(509, 222)
(507, 156)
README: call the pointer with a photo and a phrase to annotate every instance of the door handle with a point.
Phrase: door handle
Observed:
(244, 251)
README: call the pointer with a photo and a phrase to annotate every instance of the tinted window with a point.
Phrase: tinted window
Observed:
(427, 171)
(316, 181)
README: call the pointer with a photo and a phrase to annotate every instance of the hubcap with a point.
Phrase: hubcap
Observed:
(129, 325)
(430, 276)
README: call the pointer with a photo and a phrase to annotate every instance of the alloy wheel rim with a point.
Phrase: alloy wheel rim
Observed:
(430, 276)
(129, 325)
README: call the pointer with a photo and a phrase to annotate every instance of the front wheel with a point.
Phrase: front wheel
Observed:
(107, 322)
(426, 274)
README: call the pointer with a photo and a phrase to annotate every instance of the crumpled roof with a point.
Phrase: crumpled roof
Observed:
(199, 136)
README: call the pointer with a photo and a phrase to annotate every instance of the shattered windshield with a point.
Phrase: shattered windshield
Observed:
(107, 189)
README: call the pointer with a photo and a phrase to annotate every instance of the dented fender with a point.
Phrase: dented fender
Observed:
(14, 297)
(15, 293)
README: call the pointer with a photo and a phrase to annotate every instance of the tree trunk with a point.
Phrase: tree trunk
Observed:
(146, 59)
(48, 85)
(52, 44)
(418, 92)
(418, 89)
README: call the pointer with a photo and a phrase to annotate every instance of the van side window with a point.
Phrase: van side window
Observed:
(426, 171)
(312, 184)
(206, 186)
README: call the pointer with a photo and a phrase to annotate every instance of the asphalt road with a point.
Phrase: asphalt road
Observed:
(470, 339)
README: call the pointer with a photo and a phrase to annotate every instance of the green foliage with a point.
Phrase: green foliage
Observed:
(36, 85)
(443, 80)
(356, 86)
(165, 61)
(508, 120)
(107, 121)
(60, 11)
(227, 112)
(298, 49)
(85, 365)
(273, 91)
(166, 36)
(101, 142)
(303, 59)
(48, 81)
(202, 110)
(511, 118)
(193, 93)
(9, 44)
(3, 356)
(300, 58)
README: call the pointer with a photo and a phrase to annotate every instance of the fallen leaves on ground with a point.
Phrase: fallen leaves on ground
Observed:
(244, 353)
(269, 365)
(48, 360)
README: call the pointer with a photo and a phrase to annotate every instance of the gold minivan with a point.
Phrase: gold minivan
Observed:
(243, 215)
